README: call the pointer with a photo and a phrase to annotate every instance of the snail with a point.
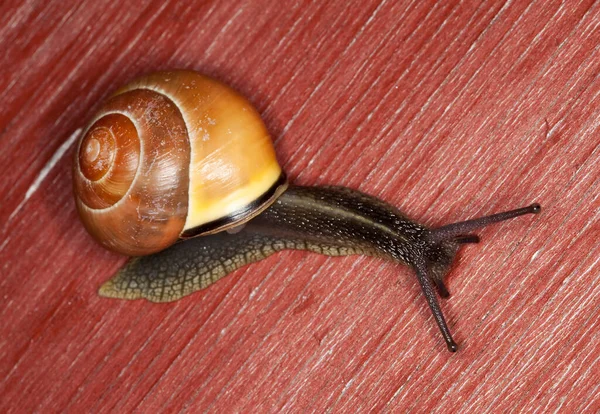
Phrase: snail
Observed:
(176, 155)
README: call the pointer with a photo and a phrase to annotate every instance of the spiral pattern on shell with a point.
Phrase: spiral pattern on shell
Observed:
(171, 154)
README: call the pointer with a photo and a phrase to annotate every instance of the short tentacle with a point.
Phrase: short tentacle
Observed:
(467, 239)
(441, 287)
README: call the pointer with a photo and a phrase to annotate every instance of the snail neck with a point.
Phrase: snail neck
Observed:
(339, 221)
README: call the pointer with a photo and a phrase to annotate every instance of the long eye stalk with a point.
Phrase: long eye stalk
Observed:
(430, 296)
(461, 229)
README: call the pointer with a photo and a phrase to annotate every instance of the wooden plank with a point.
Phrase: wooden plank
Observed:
(447, 109)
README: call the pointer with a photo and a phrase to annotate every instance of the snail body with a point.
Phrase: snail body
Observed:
(260, 213)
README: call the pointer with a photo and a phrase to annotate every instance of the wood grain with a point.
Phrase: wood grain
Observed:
(447, 109)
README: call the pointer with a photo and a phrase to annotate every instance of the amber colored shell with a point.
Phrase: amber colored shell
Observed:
(173, 154)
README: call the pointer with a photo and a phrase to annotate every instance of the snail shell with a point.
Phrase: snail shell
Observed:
(172, 155)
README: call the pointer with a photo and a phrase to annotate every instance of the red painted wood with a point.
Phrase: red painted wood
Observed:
(446, 109)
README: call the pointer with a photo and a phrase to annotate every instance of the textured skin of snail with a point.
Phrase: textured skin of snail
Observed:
(333, 221)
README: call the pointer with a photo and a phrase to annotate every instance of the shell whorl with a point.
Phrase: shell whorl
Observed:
(108, 159)
(131, 175)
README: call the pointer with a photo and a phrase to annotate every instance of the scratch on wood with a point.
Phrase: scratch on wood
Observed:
(47, 168)
(4, 243)
(222, 31)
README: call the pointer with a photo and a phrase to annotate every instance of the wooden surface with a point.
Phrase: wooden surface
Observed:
(447, 109)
